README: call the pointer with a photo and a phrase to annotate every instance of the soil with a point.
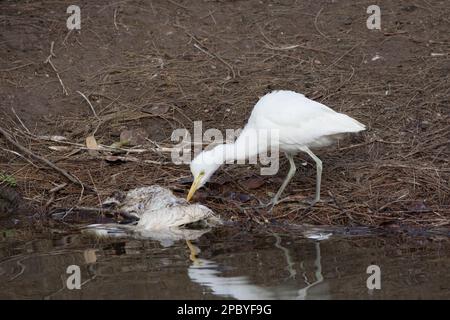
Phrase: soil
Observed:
(155, 66)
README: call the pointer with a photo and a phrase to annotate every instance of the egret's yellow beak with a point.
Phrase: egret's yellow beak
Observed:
(194, 187)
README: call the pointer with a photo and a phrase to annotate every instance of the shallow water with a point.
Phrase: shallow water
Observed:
(226, 263)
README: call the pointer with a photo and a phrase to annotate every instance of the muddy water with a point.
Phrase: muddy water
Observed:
(225, 263)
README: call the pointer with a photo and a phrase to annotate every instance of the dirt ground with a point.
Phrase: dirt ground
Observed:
(155, 66)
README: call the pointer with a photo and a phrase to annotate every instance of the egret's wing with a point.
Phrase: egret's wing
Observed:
(299, 120)
(288, 105)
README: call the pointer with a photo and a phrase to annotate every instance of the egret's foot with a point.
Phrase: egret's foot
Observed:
(313, 202)
(309, 203)
(272, 203)
(269, 206)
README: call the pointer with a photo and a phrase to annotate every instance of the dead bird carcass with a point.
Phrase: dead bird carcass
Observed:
(160, 215)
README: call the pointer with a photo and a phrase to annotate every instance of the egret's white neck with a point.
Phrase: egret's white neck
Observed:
(247, 145)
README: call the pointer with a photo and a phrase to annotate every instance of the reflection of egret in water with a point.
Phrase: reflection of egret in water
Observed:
(207, 273)
(290, 263)
(302, 293)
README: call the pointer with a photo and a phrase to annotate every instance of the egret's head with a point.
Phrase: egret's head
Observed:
(203, 167)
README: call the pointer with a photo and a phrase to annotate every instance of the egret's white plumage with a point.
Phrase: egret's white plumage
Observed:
(301, 123)
(209, 274)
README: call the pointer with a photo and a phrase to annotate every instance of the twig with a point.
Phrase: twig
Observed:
(95, 188)
(23, 125)
(102, 147)
(110, 211)
(340, 58)
(49, 61)
(115, 19)
(290, 47)
(58, 187)
(369, 142)
(21, 156)
(210, 14)
(399, 199)
(67, 36)
(404, 166)
(265, 37)
(18, 67)
(47, 162)
(315, 24)
(178, 5)
(217, 57)
(90, 104)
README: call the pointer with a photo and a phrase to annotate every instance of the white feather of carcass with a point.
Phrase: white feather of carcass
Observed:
(162, 215)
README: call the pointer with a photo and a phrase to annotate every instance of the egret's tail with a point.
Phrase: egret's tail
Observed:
(359, 125)
(348, 124)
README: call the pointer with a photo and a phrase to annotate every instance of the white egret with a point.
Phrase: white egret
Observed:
(301, 123)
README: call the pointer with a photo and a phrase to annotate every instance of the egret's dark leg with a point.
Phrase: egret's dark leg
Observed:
(318, 174)
(289, 176)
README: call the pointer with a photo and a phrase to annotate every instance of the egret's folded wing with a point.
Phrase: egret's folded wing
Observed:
(298, 119)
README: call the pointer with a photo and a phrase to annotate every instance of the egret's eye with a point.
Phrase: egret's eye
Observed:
(202, 173)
